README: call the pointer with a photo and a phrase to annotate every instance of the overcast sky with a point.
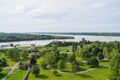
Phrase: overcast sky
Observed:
(59, 15)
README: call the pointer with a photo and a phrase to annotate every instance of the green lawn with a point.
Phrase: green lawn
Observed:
(84, 66)
(98, 74)
(105, 64)
(64, 48)
(3, 73)
(17, 74)
(68, 68)
(23, 47)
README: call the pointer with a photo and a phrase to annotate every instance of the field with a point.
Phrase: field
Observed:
(98, 74)
(3, 73)
(17, 74)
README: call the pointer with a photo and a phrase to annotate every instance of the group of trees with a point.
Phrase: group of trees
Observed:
(34, 68)
(7, 37)
(101, 50)
(94, 34)
(13, 54)
(92, 52)
(56, 60)
(115, 67)
(3, 63)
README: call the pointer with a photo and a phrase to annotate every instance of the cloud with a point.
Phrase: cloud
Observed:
(59, 15)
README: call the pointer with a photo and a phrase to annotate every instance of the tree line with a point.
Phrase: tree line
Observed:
(92, 33)
(8, 37)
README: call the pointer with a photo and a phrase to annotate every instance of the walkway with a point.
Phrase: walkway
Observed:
(77, 72)
(12, 69)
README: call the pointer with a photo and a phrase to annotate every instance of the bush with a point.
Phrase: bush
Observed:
(60, 64)
(75, 68)
(93, 62)
(35, 70)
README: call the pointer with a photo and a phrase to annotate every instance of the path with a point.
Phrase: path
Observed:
(82, 71)
(12, 69)
(77, 72)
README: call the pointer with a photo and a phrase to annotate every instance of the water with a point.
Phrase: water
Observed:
(77, 39)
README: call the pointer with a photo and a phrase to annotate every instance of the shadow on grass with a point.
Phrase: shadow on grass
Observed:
(58, 75)
(65, 70)
(43, 76)
(82, 69)
(2, 75)
(84, 75)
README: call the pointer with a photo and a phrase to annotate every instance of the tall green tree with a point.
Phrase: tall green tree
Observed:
(42, 63)
(24, 54)
(106, 52)
(3, 63)
(60, 64)
(71, 57)
(83, 52)
(75, 66)
(100, 55)
(50, 58)
(74, 47)
(115, 67)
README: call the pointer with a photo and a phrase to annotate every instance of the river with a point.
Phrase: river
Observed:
(77, 38)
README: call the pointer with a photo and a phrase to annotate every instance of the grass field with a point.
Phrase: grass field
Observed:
(98, 74)
(3, 73)
(17, 75)
(64, 48)
(105, 64)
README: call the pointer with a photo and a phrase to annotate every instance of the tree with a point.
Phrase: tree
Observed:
(60, 64)
(32, 61)
(75, 66)
(81, 44)
(71, 57)
(35, 70)
(84, 52)
(54, 47)
(14, 54)
(63, 56)
(93, 62)
(3, 63)
(95, 51)
(42, 63)
(100, 56)
(11, 45)
(24, 54)
(74, 47)
(115, 67)
(50, 58)
(106, 52)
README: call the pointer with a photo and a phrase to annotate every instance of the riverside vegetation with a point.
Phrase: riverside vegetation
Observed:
(84, 60)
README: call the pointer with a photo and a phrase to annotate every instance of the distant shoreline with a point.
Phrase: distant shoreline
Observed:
(11, 37)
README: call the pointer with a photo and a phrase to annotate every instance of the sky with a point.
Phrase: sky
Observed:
(59, 15)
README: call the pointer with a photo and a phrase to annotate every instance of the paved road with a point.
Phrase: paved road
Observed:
(12, 69)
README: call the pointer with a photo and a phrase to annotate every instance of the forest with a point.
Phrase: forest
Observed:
(8, 37)
(88, 33)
